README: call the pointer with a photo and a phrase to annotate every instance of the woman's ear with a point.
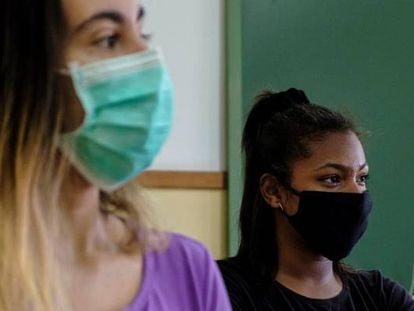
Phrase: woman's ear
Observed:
(270, 190)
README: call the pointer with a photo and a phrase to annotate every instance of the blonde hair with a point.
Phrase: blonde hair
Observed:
(32, 217)
(32, 172)
(29, 208)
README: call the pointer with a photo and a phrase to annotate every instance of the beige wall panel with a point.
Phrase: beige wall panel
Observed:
(200, 214)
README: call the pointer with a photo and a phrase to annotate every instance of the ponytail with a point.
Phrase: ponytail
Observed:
(277, 132)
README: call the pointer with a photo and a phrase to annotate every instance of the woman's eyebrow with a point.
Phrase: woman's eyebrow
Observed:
(113, 16)
(340, 167)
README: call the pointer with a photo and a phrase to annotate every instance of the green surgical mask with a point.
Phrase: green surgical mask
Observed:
(128, 114)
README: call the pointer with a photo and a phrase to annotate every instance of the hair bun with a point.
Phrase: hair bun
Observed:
(295, 96)
(273, 102)
(282, 101)
(269, 103)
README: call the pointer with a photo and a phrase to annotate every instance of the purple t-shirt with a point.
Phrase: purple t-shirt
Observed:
(182, 277)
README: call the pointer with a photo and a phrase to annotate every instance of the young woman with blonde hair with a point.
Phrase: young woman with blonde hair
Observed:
(85, 105)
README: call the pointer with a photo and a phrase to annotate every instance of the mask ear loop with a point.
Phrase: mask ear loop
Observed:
(63, 71)
(66, 71)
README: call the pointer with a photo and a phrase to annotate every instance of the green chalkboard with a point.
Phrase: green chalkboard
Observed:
(357, 56)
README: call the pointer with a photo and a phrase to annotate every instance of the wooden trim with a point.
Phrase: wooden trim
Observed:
(183, 179)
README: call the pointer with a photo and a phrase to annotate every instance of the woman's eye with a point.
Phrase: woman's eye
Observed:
(107, 42)
(332, 179)
(363, 179)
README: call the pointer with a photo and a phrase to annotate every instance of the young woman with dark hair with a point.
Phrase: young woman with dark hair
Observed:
(305, 205)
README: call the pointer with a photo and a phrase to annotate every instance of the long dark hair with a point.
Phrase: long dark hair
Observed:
(31, 43)
(278, 131)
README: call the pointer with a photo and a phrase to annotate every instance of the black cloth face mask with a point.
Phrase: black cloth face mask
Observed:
(331, 222)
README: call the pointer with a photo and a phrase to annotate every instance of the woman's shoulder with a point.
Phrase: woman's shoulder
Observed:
(233, 268)
(240, 285)
(369, 278)
(376, 286)
(180, 274)
(184, 250)
(186, 247)
(180, 240)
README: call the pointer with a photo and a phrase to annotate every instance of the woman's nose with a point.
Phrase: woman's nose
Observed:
(137, 44)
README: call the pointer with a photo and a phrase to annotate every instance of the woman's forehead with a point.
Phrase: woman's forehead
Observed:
(77, 11)
(343, 149)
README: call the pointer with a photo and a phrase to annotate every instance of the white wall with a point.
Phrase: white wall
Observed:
(191, 34)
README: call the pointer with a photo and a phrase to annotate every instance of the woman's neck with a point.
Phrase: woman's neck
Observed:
(302, 270)
(92, 231)
(98, 273)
